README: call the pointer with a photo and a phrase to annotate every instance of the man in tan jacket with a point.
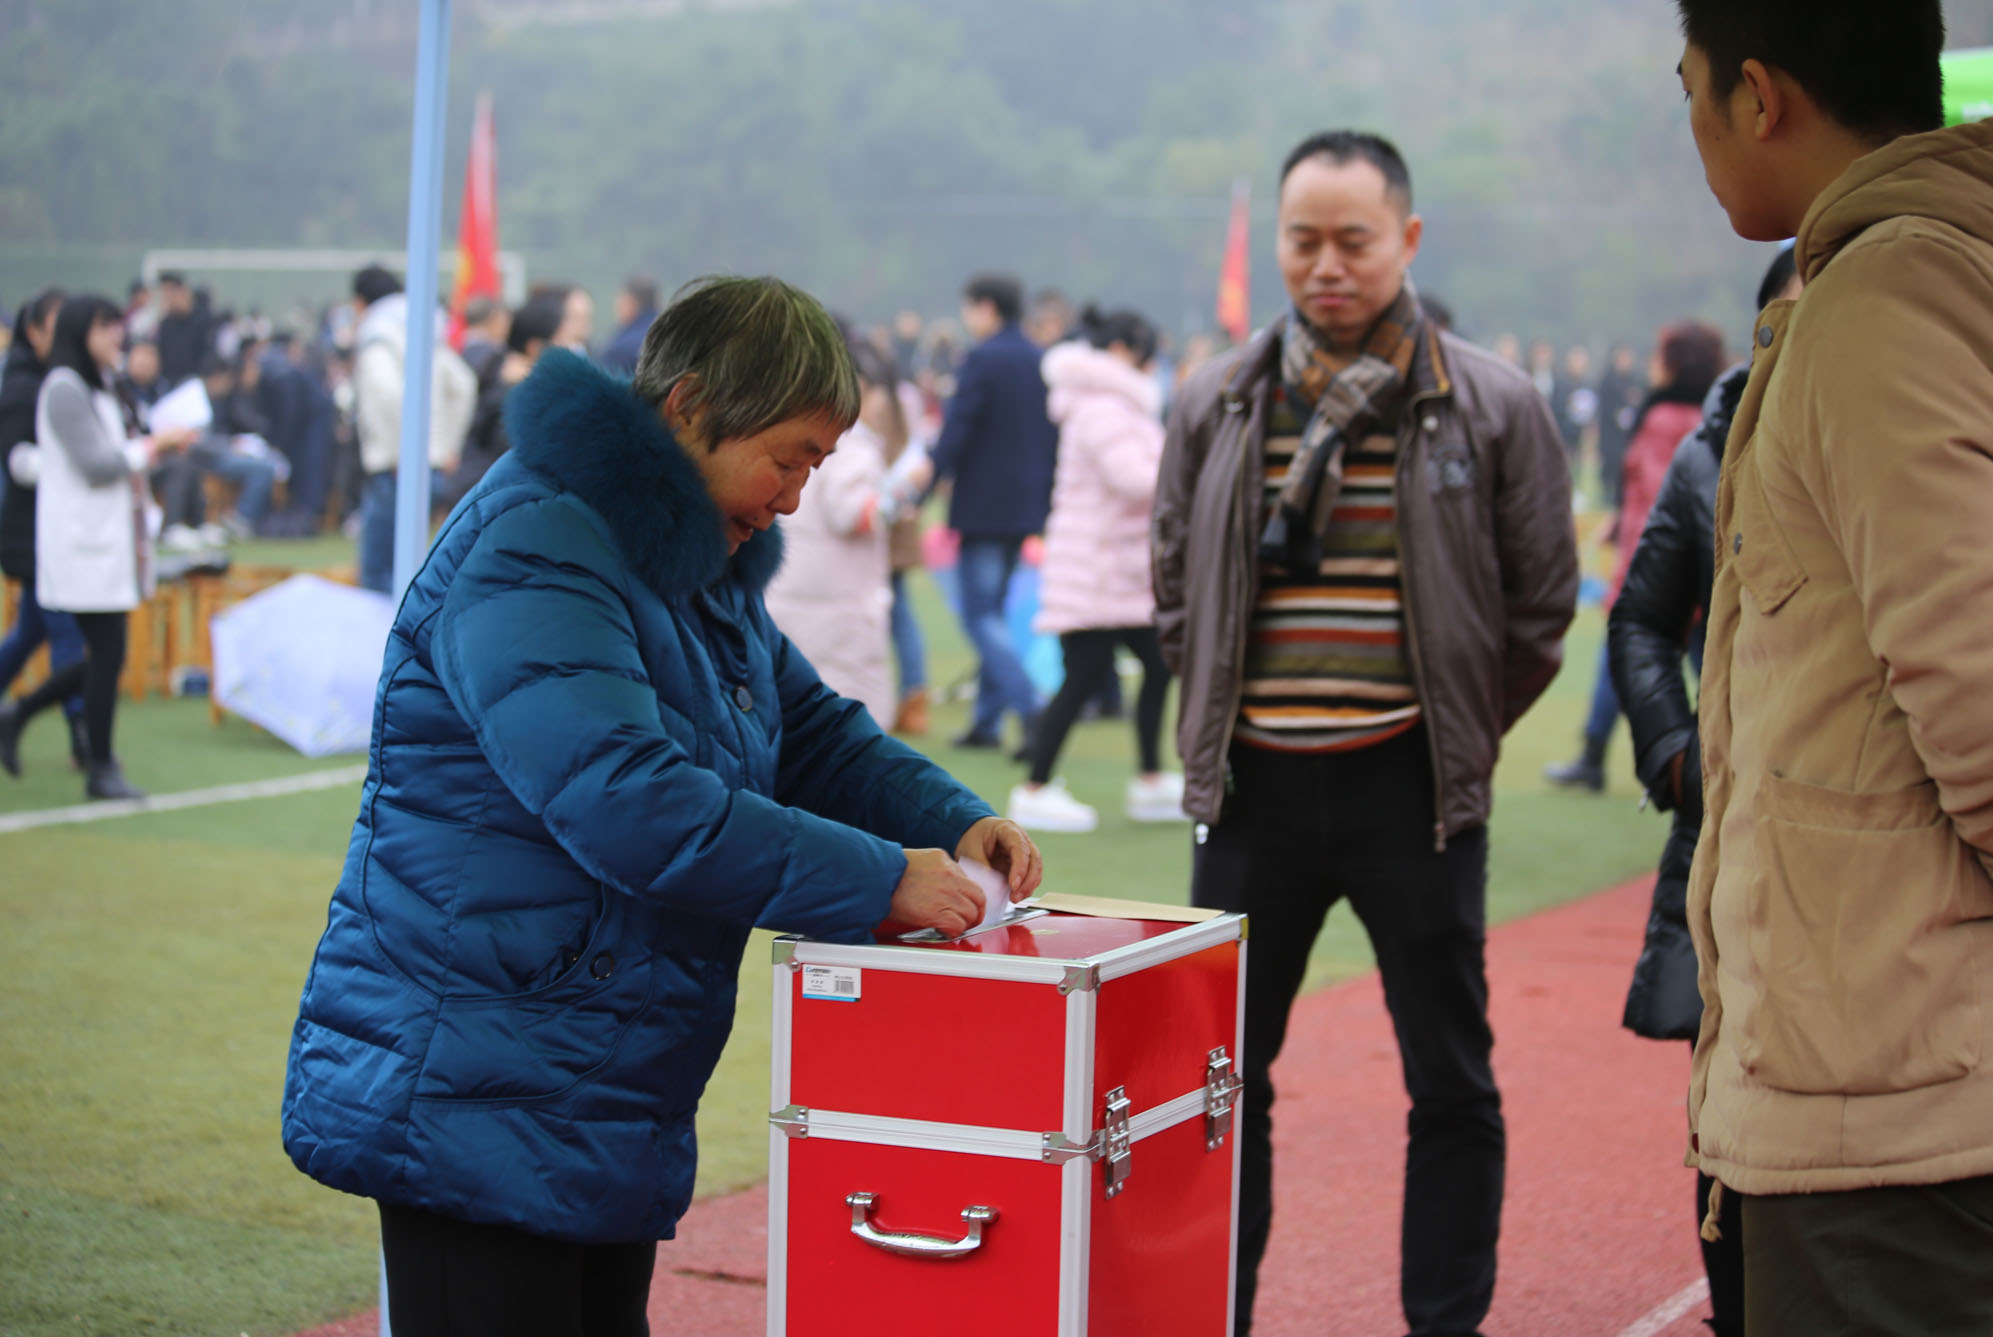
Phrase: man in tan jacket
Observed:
(1841, 900)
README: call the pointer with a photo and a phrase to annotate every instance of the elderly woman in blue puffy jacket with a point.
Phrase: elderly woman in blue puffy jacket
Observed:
(596, 766)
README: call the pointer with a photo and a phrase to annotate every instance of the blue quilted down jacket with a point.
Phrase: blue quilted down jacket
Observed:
(596, 764)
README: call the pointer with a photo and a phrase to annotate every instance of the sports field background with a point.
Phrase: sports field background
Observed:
(150, 969)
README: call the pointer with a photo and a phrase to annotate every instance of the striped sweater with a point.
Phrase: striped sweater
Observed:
(1327, 669)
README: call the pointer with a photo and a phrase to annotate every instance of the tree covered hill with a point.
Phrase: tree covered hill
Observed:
(879, 150)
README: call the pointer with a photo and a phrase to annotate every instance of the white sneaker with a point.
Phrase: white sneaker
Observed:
(213, 535)
(179, 538)
(1050, 808)
(1157, 800)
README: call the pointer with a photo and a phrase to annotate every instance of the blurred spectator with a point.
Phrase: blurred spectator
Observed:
(1622, 387)
(832, 596)
(234, 449)
(909, 471)
(142, 379)
(1543, 369)
(998, 447)
(380, 350)
(485, 322)
(636, 308)
(93, 546)
(186, 332)
(530, 333)
(907, 329)
(141, 316)
(298, 422)
(1095, 590)
(1688, 361)
(1577, 403)
(577, 321)
(1051, 319)
(20, 385)
(1508, 348)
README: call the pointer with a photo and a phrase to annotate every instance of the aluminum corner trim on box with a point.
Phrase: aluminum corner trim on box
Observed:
(932, 961)
(920, 1134)
(1168, 947)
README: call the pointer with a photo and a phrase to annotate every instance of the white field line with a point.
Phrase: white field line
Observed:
(188, 798)
(1663, 1316)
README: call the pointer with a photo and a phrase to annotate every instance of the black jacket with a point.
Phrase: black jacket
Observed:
(20, 385)
(1657, 614)
(997, 442)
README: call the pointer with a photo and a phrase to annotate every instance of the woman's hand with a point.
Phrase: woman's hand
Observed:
(935, 893)
(1004, 846)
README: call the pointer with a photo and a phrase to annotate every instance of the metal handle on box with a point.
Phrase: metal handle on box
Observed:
(909, 1244)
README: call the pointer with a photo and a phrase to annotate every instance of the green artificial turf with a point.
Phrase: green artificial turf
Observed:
(150, 968)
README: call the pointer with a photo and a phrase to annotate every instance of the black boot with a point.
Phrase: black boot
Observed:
(106, 779)
(10, 738)
(1587, 772)
(79, 744)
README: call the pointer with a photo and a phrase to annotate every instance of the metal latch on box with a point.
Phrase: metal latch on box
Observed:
(1118, 1162)
(1221, 1098)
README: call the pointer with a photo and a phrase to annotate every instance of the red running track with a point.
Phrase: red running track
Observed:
(1598, 1232)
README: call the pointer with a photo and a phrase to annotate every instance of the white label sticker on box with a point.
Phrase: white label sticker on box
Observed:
(839, 984)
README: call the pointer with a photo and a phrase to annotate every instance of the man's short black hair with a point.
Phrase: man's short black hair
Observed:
(1002, 291)
(172, 278)
(1872, 65)
(375, 282)
(1346, 146)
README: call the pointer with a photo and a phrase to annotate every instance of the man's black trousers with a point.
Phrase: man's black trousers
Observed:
(1298, 834)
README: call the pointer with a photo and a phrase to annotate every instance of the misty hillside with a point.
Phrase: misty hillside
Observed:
(879, 150)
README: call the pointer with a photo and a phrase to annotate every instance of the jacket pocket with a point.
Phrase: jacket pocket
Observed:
(1861, 937)
(1765, 561)
(539, 1044)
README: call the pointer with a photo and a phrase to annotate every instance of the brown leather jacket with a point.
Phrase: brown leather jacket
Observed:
(1484, 530)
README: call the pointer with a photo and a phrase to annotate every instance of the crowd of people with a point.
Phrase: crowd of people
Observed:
(1349, 540)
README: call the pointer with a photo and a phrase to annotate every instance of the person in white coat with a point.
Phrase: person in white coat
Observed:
(379, 375)
(833, 596)
(93, 527)
(1094, 590)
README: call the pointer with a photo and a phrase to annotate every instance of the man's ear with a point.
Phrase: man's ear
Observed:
(1770, 96)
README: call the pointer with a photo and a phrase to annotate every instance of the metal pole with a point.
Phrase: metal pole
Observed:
(425, 226)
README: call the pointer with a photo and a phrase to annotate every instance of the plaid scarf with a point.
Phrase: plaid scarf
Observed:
(1347, 397)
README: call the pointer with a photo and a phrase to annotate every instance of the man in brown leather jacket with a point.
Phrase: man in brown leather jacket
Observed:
(1364, 567)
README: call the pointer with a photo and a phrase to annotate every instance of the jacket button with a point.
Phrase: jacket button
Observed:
(1737, 544)
(603, 966)
(1429, 426)
(1764, 336)
(743, 698)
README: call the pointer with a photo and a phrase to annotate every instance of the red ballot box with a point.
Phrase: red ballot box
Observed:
(1026, 1132)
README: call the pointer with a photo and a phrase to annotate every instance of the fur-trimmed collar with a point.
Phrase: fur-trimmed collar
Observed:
(588, 432)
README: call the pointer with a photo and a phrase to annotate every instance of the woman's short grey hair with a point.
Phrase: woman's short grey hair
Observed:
(756, 352)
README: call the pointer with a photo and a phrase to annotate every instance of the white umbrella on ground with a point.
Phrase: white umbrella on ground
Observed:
(302, 660)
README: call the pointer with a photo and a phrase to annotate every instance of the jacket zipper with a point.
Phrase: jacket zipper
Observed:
(1236, 408)
(1414, 411)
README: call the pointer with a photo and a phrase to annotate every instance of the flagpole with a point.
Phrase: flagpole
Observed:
(425, 225)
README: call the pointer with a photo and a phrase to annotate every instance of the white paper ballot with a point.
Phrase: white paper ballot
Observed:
(996, 891)
(187, 406)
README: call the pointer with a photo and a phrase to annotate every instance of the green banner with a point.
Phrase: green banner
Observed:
(1968, 85)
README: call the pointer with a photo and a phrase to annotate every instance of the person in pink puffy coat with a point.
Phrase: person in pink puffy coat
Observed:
(1094, 591)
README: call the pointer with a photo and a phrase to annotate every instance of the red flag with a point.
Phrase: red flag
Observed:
(1234, 283)
(477, 225)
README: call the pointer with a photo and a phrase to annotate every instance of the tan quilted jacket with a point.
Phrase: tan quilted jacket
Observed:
(1841, 902)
